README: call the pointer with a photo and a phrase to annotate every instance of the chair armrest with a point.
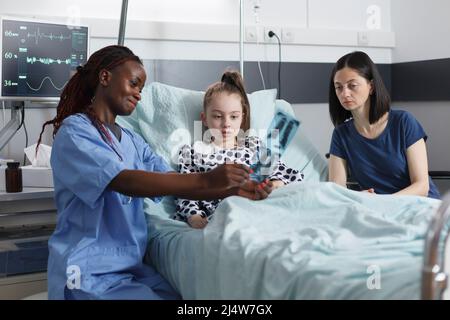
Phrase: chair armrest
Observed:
(441, 175)
(353, 185)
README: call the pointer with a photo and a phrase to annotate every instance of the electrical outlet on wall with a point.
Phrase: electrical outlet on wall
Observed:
(251, 34)
(276, 30)
(287, 35)
(363, 38)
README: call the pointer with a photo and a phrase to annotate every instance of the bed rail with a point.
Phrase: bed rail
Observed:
(434, 278)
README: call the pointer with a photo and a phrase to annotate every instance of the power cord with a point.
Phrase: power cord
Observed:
(271, 35)
(259, 65)
(4, 114)
(26, 136)
(22, 123)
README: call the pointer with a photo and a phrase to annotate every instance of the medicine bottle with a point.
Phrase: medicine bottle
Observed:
(13, 176)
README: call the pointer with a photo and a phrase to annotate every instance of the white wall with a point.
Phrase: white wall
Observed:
(347, 14)
(435, 119)
(422, 29)
(315, 24)
(322, 13)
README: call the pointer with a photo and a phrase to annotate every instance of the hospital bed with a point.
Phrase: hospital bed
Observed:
(308, 240)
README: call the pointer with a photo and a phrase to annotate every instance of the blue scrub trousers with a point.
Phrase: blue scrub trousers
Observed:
(130, 289)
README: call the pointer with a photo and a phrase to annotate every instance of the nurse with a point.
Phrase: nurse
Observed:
(101, 174)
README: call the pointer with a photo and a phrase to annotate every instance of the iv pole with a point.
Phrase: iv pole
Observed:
(123, 21)
(241, 36)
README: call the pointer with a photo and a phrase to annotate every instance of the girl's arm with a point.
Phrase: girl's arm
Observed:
(277, 184)
(188, 207)
(337, 172)
(280, 174)
(222, 181)
(283, 175)
(416, 155)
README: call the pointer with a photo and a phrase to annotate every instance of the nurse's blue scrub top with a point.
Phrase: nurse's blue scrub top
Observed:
(99, 232)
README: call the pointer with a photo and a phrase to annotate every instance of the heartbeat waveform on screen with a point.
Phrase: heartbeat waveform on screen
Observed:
(51, 82)
(38, 35)
(33, 60)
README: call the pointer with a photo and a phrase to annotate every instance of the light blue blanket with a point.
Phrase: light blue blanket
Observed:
(306, 241)
(310, 240)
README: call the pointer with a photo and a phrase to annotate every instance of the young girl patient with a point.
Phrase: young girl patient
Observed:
(226, 115)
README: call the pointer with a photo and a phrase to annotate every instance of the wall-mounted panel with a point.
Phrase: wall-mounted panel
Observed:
(421, 80)
(300, 82)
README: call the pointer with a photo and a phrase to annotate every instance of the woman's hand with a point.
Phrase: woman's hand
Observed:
(227, 176)
(370, 190)
(197, 221)
(255, 191)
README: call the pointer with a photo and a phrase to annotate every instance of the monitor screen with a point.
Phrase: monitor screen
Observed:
(38, 58)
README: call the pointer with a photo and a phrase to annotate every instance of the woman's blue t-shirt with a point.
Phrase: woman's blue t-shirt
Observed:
(380, 163)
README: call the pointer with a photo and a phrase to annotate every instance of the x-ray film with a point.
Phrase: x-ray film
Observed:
(283, 127)
(281, 131)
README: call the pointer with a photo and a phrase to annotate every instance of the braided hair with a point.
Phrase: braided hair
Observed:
(79, 92)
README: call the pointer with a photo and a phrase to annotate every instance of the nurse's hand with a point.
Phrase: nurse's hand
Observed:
(255, 191)
(227, 176)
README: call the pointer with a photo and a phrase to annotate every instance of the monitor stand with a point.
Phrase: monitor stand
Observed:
(10, 129)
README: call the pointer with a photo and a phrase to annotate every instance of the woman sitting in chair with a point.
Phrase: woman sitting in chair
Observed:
(383, 148)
